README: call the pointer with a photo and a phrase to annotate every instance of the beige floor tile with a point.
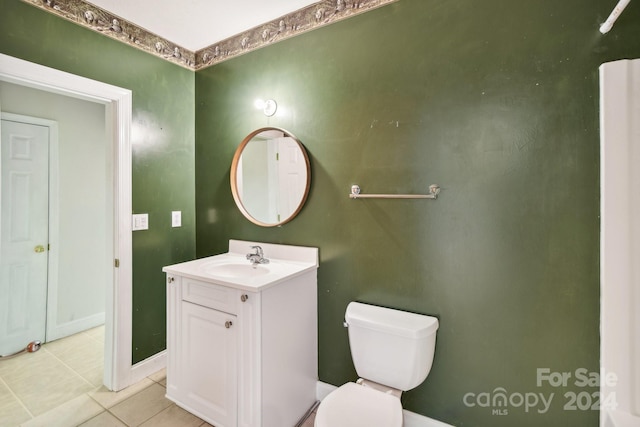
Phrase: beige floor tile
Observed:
(91, 357)
(159, 376)
(12, 413)
(80, 352)
(109, 399)
(44, 383)
(171, 417)
(25, 359)
(142, 406)
(105, 419)
(13, 416)
(61, 371)
(41, 401)
(95, 376)
(67, 344)
(70, 414)
(96, 333)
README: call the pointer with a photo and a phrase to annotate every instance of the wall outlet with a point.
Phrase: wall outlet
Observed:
(140, 222)
(176, 218)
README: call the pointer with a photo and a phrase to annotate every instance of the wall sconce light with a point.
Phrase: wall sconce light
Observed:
(268, 107)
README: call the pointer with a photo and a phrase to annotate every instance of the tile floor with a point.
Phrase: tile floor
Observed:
(60, 386)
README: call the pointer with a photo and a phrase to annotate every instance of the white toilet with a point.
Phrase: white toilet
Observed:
(392, 352)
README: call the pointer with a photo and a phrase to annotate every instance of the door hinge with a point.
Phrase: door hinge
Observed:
(117, 263)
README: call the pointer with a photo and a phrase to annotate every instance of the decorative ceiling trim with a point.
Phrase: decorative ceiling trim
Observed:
(306, 19)
(301, 21)
(104, 22)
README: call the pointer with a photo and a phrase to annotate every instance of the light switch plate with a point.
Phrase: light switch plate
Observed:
(176, 218)
(140, 222)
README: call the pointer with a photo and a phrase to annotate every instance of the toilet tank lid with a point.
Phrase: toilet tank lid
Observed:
(401, 323)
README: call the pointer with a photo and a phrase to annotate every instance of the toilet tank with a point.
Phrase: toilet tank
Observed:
(391, 347)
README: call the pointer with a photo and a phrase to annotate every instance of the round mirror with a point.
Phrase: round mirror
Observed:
(270, 177)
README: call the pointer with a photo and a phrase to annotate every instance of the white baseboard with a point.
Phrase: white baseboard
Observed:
(75, 326)
(148, 366)
(411, 419)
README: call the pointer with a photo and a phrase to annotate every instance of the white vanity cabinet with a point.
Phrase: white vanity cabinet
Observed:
(242, 351)
(202, 349)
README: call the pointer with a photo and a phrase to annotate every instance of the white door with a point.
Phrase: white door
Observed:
(24, 191)
(292, 176)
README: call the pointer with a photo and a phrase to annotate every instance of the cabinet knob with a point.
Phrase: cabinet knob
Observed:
(170, 279)
(228, 324)
(244, 297)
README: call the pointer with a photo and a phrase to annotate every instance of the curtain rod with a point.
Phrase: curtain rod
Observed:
(606, 26)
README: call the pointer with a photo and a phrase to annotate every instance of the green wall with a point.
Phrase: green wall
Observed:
(496, 101)
(162, 140)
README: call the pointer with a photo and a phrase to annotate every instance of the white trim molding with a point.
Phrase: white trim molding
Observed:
(148, 366)
(118, 106)
(75, 326)
(620, 242)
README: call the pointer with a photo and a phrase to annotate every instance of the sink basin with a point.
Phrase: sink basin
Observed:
(236, 270)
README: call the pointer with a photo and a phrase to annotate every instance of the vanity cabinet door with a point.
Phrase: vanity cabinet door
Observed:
(207, 370)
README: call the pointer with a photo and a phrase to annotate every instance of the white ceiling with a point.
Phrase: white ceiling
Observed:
(196, 24)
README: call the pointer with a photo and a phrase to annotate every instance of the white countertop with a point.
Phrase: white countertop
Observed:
(295, 261)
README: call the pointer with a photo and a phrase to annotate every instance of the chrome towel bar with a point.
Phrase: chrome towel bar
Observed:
(434, 190)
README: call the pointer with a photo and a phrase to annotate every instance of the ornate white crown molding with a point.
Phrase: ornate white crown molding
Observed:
(306, 19)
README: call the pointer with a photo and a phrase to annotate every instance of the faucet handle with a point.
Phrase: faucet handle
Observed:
(258, 250)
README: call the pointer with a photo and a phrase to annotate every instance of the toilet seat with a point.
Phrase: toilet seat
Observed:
(353, 405)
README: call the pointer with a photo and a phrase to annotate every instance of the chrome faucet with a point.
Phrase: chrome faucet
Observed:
(257, 257)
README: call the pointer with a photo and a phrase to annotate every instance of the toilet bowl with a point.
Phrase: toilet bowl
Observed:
(354, 405)
(392, 352)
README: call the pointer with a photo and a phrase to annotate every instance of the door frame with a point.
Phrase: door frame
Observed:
(118, 369)
(52, 217)
(619, 238)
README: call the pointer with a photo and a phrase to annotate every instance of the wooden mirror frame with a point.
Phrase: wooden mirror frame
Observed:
(234, 177)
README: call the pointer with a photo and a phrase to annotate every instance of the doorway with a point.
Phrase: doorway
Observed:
(117, 102)
(69, 266)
